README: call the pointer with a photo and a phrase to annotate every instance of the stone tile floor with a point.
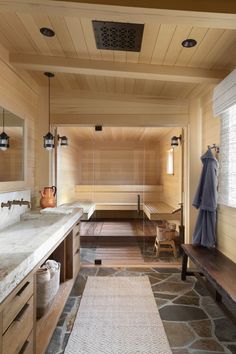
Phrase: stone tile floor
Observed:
(193, 321)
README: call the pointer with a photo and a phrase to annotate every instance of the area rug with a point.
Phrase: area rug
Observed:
(118, 315)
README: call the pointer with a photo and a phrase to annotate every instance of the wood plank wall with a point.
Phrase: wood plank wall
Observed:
(226, 236)
(68, 169)
(171, 183)
(106, 164)
(124, 164)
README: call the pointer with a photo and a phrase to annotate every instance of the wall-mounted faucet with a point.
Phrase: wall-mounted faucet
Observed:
(15, 202)
(25, 202)
(6, 205)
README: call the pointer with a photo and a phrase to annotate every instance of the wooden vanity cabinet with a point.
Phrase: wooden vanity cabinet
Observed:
(18, 319)
(20, 332)
(76, 249)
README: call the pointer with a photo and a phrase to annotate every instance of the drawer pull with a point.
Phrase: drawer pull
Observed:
(21, 313)
(23, 288)
(24, 347)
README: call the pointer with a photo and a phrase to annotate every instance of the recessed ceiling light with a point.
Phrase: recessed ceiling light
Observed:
(189, 43)
(48, 32)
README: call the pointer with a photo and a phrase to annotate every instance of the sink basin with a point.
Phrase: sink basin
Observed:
(30, 216)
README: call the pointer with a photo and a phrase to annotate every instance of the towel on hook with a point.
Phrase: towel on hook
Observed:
(206, 201)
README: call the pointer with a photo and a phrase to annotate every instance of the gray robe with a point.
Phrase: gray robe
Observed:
(206, 201)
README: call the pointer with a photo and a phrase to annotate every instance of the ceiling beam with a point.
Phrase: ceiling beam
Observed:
(121, 120)
(206, 14)
(218, 6)
(69, 94)
(116, 69)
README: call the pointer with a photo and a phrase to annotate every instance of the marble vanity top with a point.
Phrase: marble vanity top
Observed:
(24, 244)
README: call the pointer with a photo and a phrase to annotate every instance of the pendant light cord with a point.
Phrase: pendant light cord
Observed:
(49, 93)
(3, 119)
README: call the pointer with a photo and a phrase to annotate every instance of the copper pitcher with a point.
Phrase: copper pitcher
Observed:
(48, 197)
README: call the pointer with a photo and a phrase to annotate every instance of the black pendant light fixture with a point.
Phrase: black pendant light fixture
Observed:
(4, 138)
(49, 139)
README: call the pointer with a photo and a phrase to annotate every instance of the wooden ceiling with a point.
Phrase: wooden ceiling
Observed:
(119, 135)
(20, 22)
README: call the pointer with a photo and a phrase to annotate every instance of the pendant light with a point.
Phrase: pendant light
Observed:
(4, 138)
(49, 139)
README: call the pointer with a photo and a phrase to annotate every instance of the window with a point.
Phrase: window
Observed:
(170, 162)
(227, 175)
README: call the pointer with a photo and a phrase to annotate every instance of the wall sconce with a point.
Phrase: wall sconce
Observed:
(175, 140)
(49, 139)
(4, 138)
(63, 139)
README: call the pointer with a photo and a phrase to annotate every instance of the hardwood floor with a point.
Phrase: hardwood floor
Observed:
(120, 243)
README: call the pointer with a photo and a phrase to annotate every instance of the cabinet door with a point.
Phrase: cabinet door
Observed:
(18, 332)
(76, 249)
(0, 332)
(16, 302)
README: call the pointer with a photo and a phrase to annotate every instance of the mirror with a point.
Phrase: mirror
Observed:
(12, 159)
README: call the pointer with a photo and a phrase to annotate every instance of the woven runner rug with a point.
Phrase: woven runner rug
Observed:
(118, 315)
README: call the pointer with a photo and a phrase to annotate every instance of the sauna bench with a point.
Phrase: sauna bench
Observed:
(153, 210)
(90, 208)
(159, 211)
(116, 206)
(24, 247)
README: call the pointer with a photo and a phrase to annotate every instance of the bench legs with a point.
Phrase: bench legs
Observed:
(184, 267)
(218, 297)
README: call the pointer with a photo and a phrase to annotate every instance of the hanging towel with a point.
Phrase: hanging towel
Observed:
(206, 201)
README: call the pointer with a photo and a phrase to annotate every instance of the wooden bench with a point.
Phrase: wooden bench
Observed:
(219, 270)
(159, 211)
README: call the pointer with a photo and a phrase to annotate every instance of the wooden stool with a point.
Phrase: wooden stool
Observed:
(166, 245)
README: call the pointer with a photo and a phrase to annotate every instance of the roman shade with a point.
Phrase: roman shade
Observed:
(224, 104)
(224, 95)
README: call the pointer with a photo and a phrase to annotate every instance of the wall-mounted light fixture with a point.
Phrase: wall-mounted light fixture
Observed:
(175, 140)
(49, 139)
(4, 138)
(63, 139)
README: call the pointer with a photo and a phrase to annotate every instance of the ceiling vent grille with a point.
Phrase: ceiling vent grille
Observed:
(118, 35)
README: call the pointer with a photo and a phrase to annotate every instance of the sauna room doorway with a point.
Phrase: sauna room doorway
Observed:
(128, 182)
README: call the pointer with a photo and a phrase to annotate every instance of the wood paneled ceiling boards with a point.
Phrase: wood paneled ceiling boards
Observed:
(162, 69)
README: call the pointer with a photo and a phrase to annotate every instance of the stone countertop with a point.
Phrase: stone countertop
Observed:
(24, 244)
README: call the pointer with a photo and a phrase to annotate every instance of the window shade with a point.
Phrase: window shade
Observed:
(227, 174)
